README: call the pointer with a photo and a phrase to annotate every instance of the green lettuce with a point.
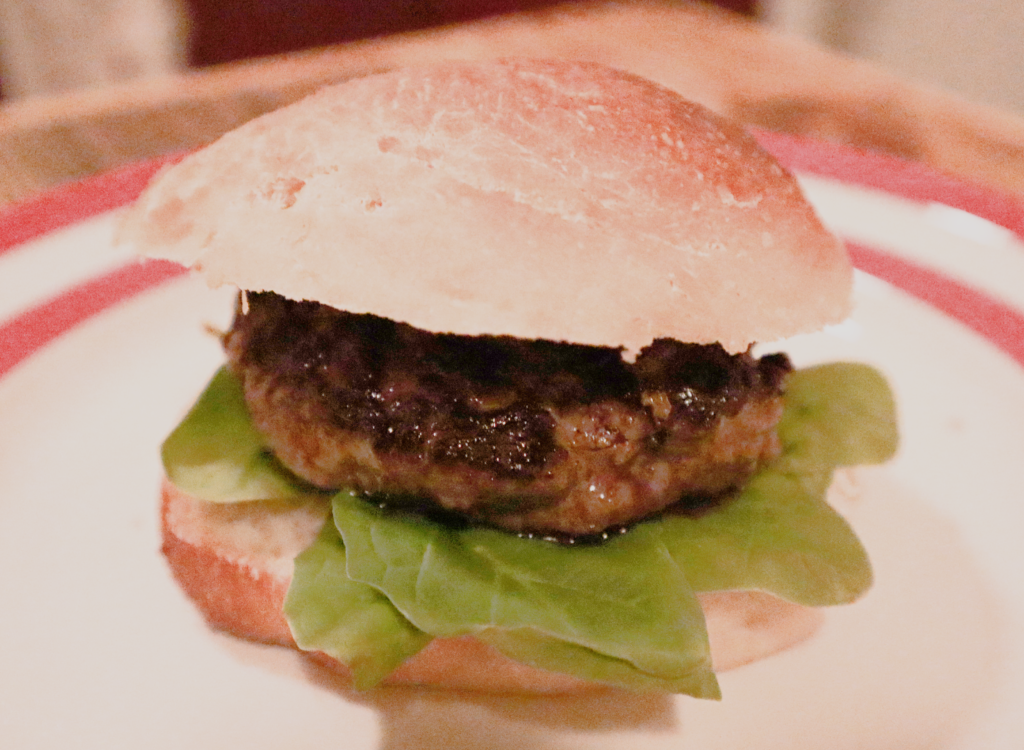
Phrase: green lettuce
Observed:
(779, 535)
(378, 585)
(623, 609)
(355, 622)
(217, 454)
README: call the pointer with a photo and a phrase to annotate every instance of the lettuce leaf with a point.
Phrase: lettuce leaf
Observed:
(779, 535)
(355, 623)
(377, 585)
(217, 454)
(621, 608)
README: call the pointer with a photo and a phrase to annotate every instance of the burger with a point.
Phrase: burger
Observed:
(491, 415)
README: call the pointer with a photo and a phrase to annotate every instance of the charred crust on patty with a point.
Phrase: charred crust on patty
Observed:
(528, 435)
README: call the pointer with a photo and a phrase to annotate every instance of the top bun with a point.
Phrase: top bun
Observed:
(539, 199)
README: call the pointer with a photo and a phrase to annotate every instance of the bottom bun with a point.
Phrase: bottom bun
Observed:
(235, 562)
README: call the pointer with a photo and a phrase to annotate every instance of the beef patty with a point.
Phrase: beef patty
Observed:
(532, 436)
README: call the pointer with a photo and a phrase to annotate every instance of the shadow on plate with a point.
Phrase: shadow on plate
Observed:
(427, 718)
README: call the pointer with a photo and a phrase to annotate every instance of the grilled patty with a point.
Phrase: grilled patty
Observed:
(531, 436)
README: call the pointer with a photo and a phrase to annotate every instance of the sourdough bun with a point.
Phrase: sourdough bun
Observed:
(235, 561)
(539, 199)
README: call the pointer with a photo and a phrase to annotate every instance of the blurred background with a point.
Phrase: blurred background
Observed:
(970, 47)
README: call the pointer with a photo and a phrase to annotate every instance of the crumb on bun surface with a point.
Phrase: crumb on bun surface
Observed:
(538, 199)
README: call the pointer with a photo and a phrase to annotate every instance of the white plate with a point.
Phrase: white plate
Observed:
(99, 649)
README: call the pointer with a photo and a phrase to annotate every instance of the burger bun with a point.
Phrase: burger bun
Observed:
(538, 199)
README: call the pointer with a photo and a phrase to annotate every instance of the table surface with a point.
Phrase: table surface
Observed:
(729, 63)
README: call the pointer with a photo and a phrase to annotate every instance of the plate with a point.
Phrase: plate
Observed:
(100, 356)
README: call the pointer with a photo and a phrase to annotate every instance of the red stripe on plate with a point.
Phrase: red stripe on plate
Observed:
(25, 334)
(996, 321)
(895, 176)
(75, 201)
